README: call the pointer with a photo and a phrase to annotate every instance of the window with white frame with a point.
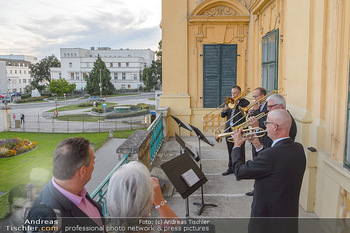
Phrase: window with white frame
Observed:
(123, 76)
(269, 66)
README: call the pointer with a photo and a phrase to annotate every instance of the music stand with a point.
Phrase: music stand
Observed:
(181, 124)
(175, 170)
(192, 151)
(204, 139)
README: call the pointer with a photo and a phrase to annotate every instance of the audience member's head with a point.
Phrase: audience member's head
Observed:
(70, 155)
(130, 191)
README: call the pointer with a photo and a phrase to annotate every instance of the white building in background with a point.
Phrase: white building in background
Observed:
(3, 78)
(125, 65)
(17, 72)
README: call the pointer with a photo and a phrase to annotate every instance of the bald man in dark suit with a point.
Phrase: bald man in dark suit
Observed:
(278, 172)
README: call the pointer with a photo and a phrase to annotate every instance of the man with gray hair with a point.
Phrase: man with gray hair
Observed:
(274, 102)
(73, 163)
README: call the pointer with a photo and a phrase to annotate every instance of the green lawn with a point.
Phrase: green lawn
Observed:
(123, 94)
(16, 170)
(80, 117)
(75, 107)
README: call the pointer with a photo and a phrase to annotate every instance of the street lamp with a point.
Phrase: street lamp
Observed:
(9, 85)
(100, 84)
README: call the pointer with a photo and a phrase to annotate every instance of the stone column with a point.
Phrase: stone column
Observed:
(7, 117)
(165, 111)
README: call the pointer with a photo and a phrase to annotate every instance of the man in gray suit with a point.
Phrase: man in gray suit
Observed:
(73, 163)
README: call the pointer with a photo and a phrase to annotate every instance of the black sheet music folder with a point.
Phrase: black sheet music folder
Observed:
(175, 168)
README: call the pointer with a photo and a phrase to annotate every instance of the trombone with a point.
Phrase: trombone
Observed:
(230, 102)
(241, 126)
(256, 132)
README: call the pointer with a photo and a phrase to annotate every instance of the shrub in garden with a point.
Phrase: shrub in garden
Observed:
(3, 151)
(29, 99)
(86, 104)
(15, 146)
(10, 153)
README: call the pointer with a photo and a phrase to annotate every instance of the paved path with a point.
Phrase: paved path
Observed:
(106, 160)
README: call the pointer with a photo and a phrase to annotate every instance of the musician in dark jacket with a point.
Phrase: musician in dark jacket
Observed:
(274, 102)
(278, 172)
(233, 118)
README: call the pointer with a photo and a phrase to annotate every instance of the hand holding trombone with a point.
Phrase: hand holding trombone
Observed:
(246, 132)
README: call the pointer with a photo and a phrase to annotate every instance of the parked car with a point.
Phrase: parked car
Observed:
(1, 96)
(6, 99)
(96, 98)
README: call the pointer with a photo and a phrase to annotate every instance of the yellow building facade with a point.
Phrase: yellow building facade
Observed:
(300, 45)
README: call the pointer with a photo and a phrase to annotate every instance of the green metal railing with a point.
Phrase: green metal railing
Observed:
(101, 190)
(100, 193)
(157, 136)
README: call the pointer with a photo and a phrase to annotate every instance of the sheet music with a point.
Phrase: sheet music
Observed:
(190, 178)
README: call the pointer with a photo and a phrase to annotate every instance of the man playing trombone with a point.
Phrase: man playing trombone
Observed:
(274, 102)
(233, 118)
(258, 93)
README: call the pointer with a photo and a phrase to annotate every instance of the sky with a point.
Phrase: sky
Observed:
(41, 27)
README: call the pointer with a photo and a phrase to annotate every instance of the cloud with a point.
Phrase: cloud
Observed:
(41, 30)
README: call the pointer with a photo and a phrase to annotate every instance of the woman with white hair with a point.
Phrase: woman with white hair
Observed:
(131, 193)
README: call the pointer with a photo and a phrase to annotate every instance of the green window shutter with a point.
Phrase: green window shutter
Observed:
(219, 73)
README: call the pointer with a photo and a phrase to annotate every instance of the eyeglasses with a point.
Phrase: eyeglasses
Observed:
(267, 122)
(271, 106)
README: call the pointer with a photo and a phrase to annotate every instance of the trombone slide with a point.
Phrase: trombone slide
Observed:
(256, 132)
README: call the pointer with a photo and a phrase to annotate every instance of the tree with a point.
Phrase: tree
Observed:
(152, 76)
(148, 78)
(40, 72)
(61, 86)
(93, 79)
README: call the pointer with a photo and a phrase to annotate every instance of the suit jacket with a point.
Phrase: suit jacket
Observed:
(238, 119)
(261, 120)
(71, 214)
(278, 172)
